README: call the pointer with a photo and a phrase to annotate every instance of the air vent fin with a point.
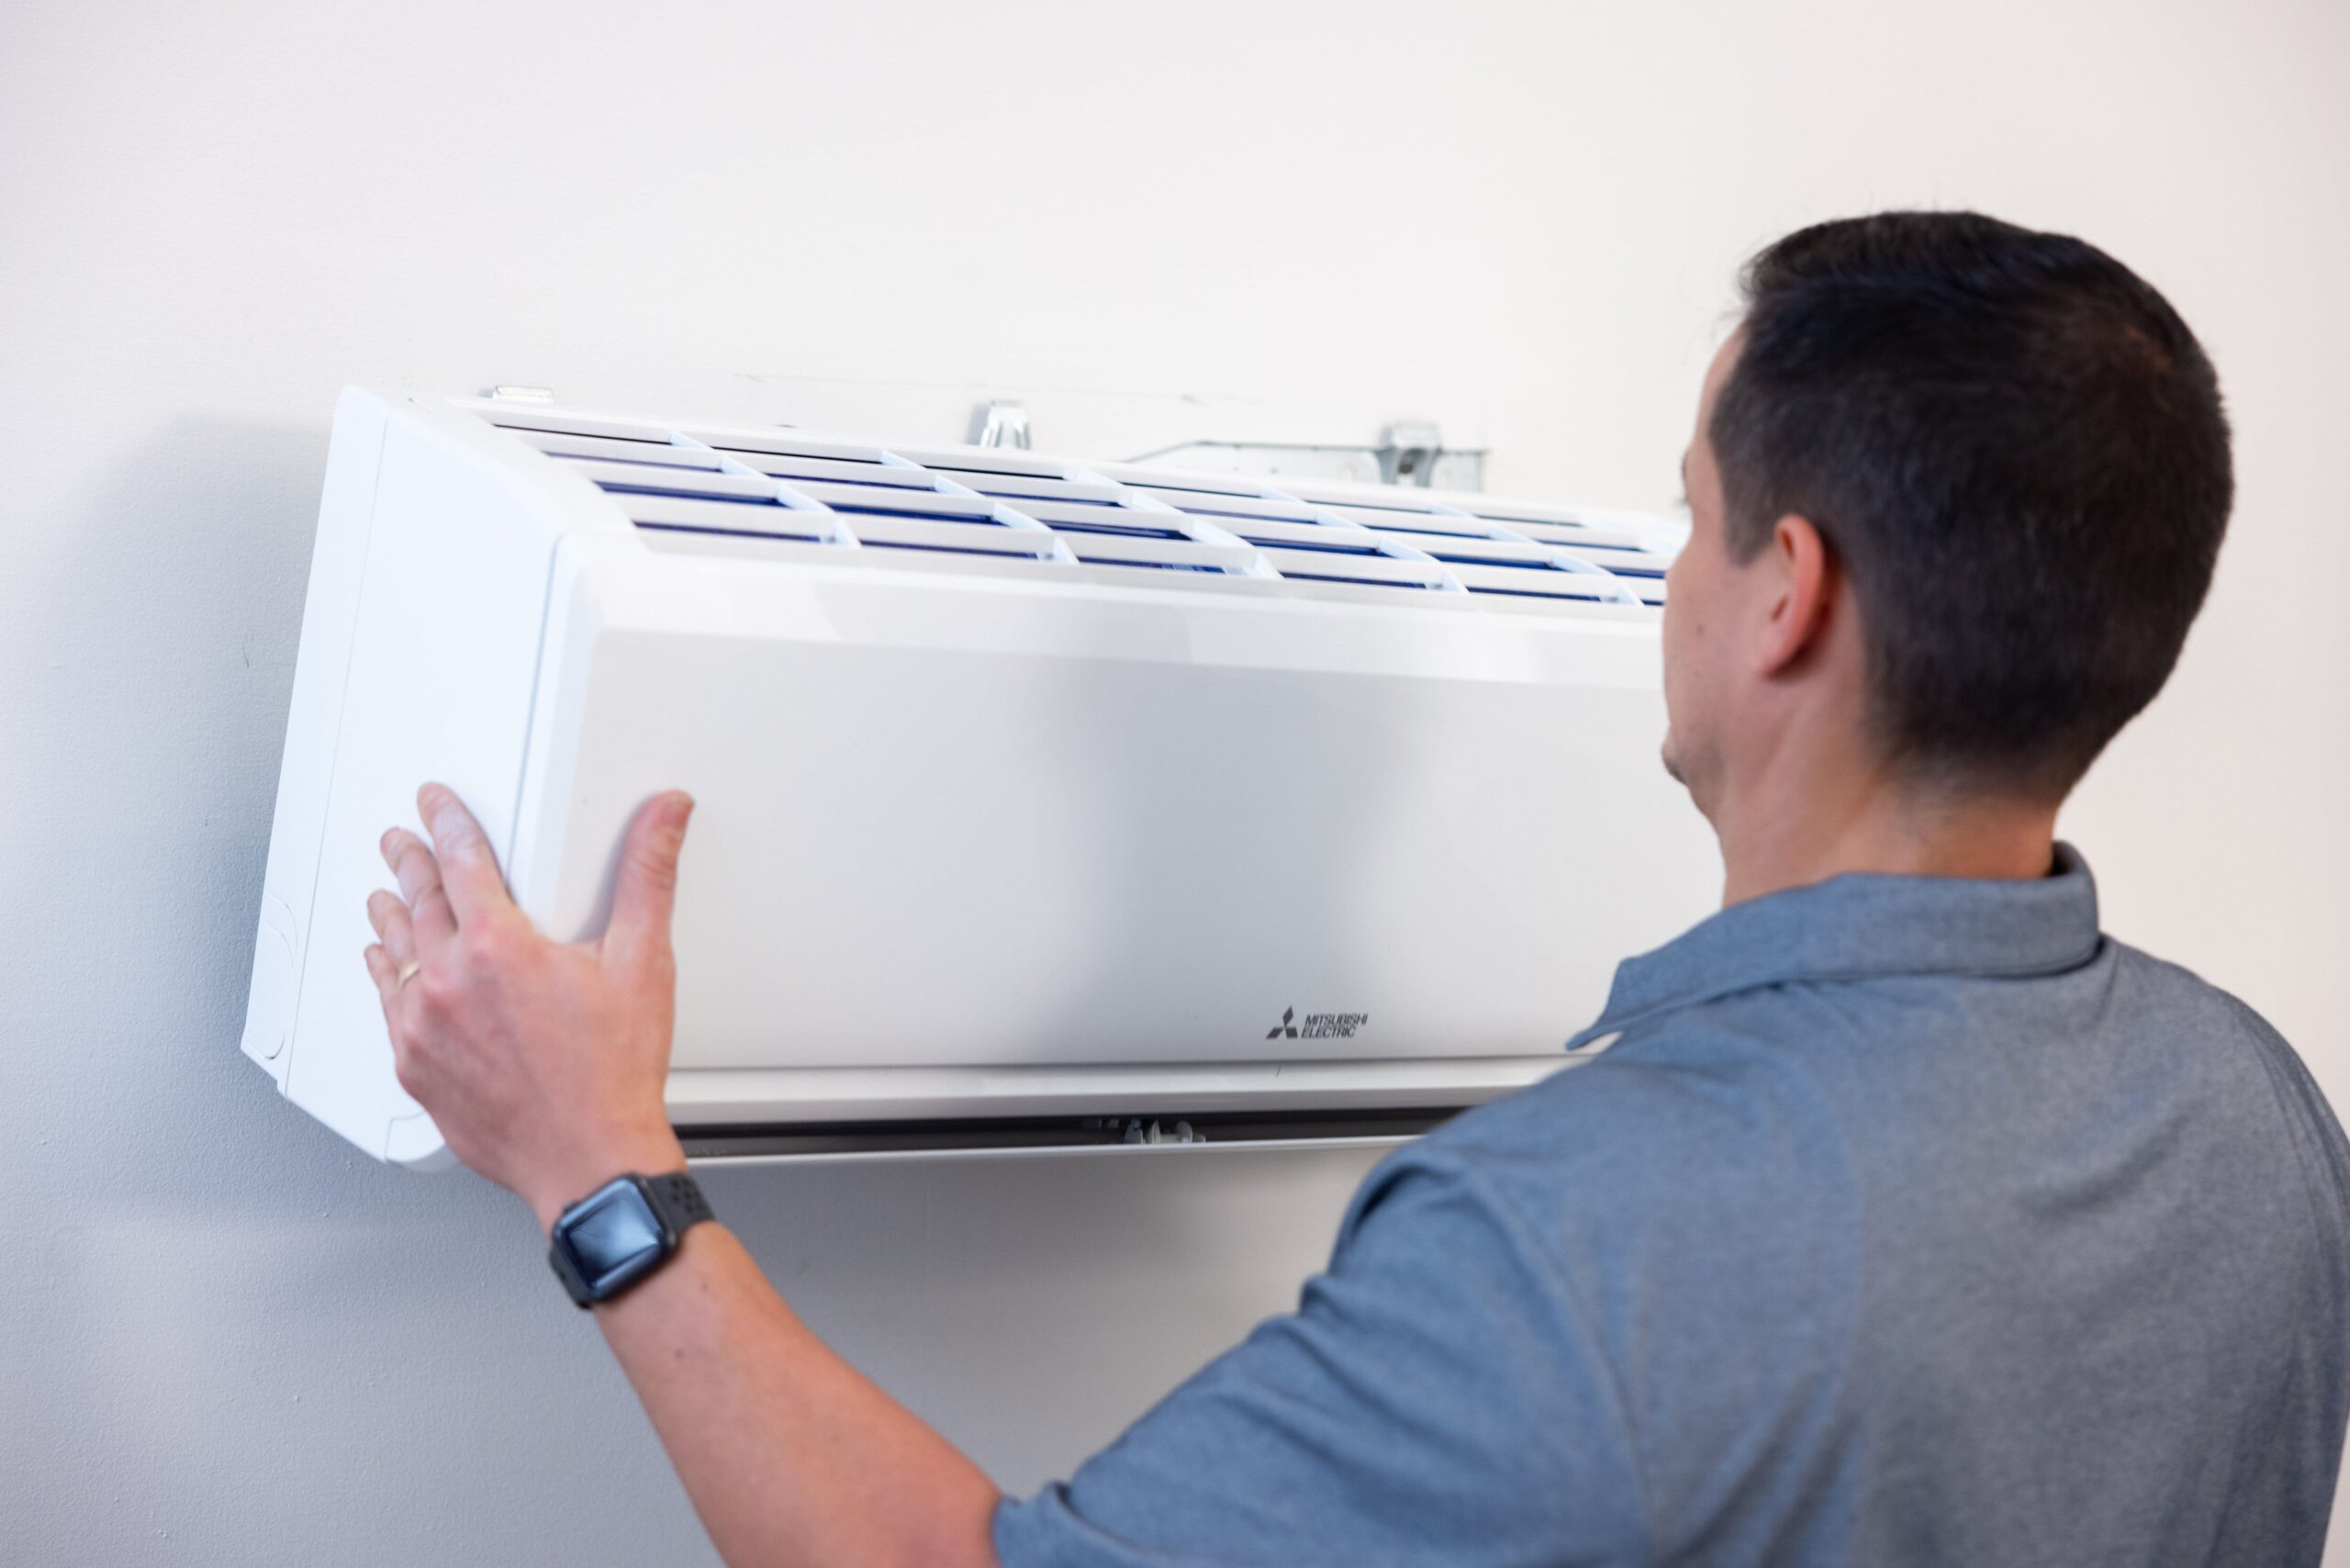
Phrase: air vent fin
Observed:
(977, 508)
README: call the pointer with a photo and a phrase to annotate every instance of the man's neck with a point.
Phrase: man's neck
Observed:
(1799, 835)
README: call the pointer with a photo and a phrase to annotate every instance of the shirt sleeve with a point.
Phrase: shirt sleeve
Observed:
(1435, 1399)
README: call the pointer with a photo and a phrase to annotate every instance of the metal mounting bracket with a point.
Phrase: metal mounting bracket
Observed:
(1003, 421)
(1410, 452)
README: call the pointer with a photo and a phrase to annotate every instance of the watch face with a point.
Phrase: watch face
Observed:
(612, 1235)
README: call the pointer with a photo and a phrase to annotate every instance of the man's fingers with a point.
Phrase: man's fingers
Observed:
(647, 888)
(468, 865)
(411, 861)
(390, 919)
(384, 972)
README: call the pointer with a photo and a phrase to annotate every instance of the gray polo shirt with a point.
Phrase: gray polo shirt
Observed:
(1908, 1220)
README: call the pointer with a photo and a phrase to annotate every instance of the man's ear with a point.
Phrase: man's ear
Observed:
(1805, 582)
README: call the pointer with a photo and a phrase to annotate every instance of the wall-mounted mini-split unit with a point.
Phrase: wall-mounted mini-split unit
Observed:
(1042, 803)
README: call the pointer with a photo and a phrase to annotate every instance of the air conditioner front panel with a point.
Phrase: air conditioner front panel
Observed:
(970, 823)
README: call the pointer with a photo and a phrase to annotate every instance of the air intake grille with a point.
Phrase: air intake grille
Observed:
(1014, 506)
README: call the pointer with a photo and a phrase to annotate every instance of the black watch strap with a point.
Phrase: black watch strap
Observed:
(677, 1199)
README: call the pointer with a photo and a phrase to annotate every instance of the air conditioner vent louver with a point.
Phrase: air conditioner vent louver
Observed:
(789, 487)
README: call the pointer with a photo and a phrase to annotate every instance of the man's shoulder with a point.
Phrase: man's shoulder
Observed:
(2273, 1082)
(2230, 1038)
(1707, 1074)
(1698, 1124)
(2172, 985)
(1794, 1086)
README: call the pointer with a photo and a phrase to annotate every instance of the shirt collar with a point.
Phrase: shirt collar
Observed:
(1865, 923)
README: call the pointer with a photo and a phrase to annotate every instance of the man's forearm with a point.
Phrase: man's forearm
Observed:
(791, 1456)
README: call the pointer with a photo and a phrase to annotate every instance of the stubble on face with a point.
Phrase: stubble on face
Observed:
(1688, 749)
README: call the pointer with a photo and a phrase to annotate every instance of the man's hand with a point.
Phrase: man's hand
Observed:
(542, 1062)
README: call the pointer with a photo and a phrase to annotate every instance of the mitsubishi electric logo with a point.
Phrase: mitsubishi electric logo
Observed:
(1318, 1025)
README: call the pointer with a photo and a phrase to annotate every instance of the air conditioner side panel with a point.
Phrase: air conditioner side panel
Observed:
(313, 723)
(442, 637)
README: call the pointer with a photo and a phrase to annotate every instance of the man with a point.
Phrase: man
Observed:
(1907, 1219)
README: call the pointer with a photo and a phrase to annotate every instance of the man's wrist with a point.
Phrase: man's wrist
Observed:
(646, 1153)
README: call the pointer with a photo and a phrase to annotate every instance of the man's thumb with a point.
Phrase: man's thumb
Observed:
(647, 888)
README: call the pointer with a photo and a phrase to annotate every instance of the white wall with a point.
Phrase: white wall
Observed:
(224, 1337)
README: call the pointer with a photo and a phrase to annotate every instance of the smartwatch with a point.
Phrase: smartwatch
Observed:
(622, 1232)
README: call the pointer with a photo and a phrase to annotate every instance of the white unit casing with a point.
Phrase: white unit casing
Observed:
(1029, 791)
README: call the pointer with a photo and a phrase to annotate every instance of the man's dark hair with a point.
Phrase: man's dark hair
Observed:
(2014, 448)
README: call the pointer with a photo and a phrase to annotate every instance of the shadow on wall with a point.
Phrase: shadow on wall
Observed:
(148, 735)
(243, 1319)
